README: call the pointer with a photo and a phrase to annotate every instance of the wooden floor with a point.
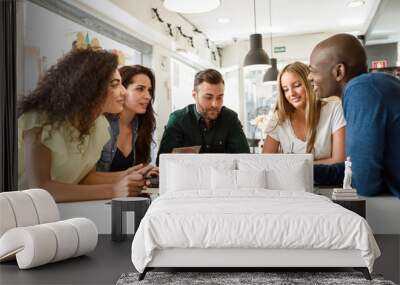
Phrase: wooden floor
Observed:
(110, 260)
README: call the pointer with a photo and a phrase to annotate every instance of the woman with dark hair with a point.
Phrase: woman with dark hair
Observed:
(62, 130)
(132, 130)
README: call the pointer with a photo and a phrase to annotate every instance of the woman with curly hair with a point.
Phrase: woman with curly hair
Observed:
(302, 123)
(132, 130)
(62, 130)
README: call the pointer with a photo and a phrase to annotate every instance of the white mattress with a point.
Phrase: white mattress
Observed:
(252, 218)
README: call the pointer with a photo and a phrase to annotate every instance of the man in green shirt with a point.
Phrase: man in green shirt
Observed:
(207, 123)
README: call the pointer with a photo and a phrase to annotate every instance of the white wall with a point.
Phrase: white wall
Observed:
(141, 10)
(48, 36)
(232, 96)
(162, 106)
(54, 34)
(136, 18)
(181, 84)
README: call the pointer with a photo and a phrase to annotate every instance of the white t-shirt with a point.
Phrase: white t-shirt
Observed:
(331, 119)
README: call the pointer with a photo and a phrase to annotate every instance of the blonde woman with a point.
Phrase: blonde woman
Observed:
(302, 123)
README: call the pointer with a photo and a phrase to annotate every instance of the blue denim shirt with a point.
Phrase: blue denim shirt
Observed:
(371, 104)
(110, 148)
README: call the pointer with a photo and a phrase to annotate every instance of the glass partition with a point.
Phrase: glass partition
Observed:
(260, 99)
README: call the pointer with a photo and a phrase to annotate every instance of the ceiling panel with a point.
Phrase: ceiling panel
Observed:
(289, 17)
(386, 24)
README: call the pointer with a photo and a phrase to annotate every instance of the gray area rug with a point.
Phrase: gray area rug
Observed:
(269, 278)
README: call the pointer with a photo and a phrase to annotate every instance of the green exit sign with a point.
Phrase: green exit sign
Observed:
(280, 49)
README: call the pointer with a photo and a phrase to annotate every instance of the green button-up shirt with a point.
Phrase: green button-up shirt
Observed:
(186, 127)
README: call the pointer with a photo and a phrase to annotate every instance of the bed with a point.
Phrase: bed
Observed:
(242, 210)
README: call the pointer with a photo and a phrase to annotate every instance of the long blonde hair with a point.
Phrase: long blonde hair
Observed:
(284, 109)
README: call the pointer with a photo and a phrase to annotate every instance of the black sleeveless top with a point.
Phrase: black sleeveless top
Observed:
(120, 162)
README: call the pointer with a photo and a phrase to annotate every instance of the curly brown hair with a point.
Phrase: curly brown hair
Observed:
(74, 89)
(147, 121)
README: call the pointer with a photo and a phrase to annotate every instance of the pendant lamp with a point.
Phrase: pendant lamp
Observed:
(271, 74)
(256, 58)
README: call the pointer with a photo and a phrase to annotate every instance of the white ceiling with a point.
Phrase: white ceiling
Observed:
(386, 24)
(289, 17)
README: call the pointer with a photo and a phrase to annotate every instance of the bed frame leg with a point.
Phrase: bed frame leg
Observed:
(143, 274)
(364, 271)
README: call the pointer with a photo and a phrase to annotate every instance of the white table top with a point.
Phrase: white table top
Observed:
(127, 199)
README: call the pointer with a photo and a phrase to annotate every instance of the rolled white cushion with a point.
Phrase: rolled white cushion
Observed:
(45, 205)
(67, 240)
(23, 208)
(26, 208)
(41, 244)
(7, 218)
(87, 234)
(33, 246)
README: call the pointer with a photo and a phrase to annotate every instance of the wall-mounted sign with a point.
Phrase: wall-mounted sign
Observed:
(379, 63)
(279, 49)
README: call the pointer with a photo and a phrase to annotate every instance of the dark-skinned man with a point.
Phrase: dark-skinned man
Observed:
(371, 103)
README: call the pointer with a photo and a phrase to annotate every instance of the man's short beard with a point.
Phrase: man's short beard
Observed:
(203, 113)
(200, 110)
